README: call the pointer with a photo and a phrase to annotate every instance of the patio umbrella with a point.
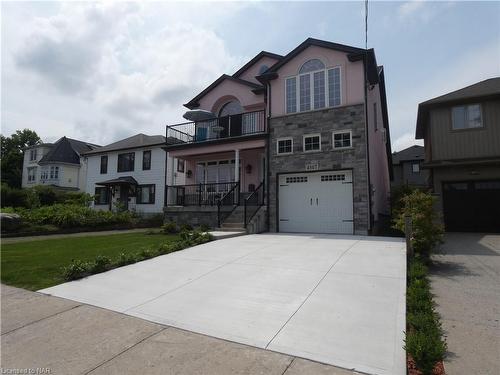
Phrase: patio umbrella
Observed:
(199, 115)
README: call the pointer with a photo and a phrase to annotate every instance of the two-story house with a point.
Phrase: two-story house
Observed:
(461, 131)
(407, 167)
(303, 138)
(130, 174)
(56, 164)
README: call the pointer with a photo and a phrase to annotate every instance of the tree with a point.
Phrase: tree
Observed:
(12, 155)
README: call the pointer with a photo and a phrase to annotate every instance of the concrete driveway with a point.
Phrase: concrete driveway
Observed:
(339, 300)
(466, 283)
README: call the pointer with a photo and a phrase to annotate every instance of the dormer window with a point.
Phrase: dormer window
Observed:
(315, 87)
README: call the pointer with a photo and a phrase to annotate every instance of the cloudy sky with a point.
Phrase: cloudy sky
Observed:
(103, 71)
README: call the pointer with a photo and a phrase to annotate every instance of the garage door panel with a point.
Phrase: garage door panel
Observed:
(319, 202)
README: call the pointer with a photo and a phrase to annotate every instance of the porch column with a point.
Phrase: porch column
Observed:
(236, 165)
(172, 170)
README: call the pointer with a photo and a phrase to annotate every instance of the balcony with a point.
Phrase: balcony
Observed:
(233, 126)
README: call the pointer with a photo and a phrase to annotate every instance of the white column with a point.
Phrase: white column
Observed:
(172, 170)
(236, 165)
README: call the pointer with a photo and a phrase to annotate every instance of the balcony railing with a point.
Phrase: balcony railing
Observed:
(219, 128)
(203, 194)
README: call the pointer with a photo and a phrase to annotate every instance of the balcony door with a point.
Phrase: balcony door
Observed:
(231, 125)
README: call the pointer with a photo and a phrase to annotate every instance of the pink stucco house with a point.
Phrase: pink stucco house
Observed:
(295, 143)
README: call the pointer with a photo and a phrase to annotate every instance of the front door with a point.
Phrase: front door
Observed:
(124, 196)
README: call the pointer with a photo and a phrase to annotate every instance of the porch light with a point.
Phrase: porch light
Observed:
(248, 168)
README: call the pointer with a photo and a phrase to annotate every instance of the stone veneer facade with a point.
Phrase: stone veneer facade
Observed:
(324, 122)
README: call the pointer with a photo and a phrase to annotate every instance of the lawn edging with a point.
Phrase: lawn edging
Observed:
(79, 269)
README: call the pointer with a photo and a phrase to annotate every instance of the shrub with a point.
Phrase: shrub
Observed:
(186, 228)
(101, 263)
(427, 233)
(204, 228)
(169, 227)
(76, 270)
(12, 197)
(124, 259)
(146, 254)
(426, 349)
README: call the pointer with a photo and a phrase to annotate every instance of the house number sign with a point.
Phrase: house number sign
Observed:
(312, 165)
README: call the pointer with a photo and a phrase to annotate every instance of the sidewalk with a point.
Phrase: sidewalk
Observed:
(40, 331)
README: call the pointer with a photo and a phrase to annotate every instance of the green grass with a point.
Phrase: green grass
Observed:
(37, 264)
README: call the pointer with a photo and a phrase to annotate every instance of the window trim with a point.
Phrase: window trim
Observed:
(467, 129)
(311, 89)
(150, 156)
(310, 136)
(33, 155)
(108, 197)
(118, 162)
(341, 132)
(181, 170)
(32, 180)
(104, 157)
(278, 143)
(139, 187)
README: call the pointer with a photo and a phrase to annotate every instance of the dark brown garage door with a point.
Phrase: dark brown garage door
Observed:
(472, 206)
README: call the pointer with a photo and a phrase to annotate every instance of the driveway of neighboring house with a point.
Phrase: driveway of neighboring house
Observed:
(466, 282)
(338, 300)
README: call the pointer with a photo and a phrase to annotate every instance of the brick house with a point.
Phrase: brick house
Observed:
(295, 143)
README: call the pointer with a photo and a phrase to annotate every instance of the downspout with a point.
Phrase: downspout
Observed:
(268, 154)
(367, 144)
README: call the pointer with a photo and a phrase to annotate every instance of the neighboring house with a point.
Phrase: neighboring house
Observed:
(57, 164)
(407, 168)
(307, 134)
(461, 131)
(130, 174)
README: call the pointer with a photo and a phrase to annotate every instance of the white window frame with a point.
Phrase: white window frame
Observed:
(31, 176)
(413, 167)
(278, 147)
(33, 154)
(311, 86)
(467, 121)
(310, 136)
(342, 132)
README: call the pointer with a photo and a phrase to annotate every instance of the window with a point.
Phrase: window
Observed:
(104, 164)
(333, 177)
(291, 95)
(44, 174)
(33, 155)
(312, 142)
(145, 194)
(466, 117)
(126, 162)
(146, 160)
(180, 165)
(305, 92)
(342, 139)
(375, 120)
(101, 195)
(294, 180)
(315, 88)
(415, 168)
(32, 174)
(54, 173)
(285, 146)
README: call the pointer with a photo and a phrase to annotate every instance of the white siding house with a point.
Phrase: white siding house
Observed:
(129, 174)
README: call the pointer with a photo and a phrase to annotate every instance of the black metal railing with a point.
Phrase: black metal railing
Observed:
(200, 194)
(232, 197)
(253, 202)
(222, 127)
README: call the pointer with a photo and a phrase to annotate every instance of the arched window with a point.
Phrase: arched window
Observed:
(231, 108)
(311, 66)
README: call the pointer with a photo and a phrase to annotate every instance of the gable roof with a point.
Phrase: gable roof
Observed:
(260, 55)
(193, 103)
(489, 88)
(135, 141)
(354, 54)
(67, 150)
(414, 152)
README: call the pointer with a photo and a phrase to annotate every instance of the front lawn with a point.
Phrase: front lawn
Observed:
(37, 264)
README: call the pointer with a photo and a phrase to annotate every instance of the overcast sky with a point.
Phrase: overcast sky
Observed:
(102, 72)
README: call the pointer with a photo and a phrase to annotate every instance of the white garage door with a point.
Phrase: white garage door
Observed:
(319, 202)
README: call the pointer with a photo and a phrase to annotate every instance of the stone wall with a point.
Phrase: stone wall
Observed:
(194, 215)
(324, 122)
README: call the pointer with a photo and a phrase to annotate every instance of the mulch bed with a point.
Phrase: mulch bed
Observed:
(412, 368)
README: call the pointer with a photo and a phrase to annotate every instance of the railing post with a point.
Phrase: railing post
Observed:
(218, 213)
(229, 126)
(245, 214)
(199, 196)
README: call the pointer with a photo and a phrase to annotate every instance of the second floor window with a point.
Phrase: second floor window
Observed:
(104, 164)
(342, 139)
(316, 87)
(312, 142)
(146, 160)
(180, 165)
(466, 117)
(33, 155)
(126, 162)
(285, 146)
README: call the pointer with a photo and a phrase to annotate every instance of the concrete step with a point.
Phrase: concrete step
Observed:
(231, 229)
(232, 225)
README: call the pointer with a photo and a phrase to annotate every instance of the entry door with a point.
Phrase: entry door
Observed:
(124, 196)
(319, 202)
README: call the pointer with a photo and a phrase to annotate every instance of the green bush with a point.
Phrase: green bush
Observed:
(169, 227)
(125, 259)
(101, 263)
(426, 349)
(204, 228)
(186, 228)
(427, 232)
(12, 197)
(76, 270)
(42, 196)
